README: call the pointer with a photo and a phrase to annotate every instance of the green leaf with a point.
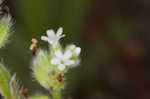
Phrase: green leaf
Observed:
(5, 78)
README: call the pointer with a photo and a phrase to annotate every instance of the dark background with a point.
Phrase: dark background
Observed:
(114, 37)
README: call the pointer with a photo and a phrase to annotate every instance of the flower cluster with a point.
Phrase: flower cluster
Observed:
(49, 68)
(53, 38)
(62, 58)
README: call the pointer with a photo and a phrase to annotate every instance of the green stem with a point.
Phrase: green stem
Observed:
(57, 94)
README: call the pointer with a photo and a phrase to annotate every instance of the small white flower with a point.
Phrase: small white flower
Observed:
(62, 60)
(51, 37)
(75, 50)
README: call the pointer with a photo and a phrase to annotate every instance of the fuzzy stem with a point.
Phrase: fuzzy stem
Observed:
(57, 94)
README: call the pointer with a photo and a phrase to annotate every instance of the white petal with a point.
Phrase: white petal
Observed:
(67, 54)
(50, 41)
(59, 54)
(71, 47)
(44, 38)
(55, 61)
(61, 67)
(77, 51)
(69, 62)
(59, 31)
(50, 33)
(61, 36)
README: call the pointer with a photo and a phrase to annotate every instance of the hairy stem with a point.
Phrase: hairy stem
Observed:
(57, 94)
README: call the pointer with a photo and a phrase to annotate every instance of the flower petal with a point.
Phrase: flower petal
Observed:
(50, 33)
(44, 38)
(51, 41)
(61, 36)
(69, 62)
(67, 54)
(61, 67)
(55, 61)
(71, 47)
(59, 54)
(59, 31)
(77, 51)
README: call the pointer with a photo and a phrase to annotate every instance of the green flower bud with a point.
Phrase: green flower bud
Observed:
(41, 69)
(45, 73)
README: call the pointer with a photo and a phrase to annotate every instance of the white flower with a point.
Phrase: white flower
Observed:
(51, 37)
(75, 50)
(62, 60)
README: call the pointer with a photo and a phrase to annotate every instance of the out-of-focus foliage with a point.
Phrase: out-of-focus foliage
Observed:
(5, 78)
(5, 25)
(9, 88)
(39, 96)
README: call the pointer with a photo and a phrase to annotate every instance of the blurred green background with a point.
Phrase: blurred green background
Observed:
(113, 34)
